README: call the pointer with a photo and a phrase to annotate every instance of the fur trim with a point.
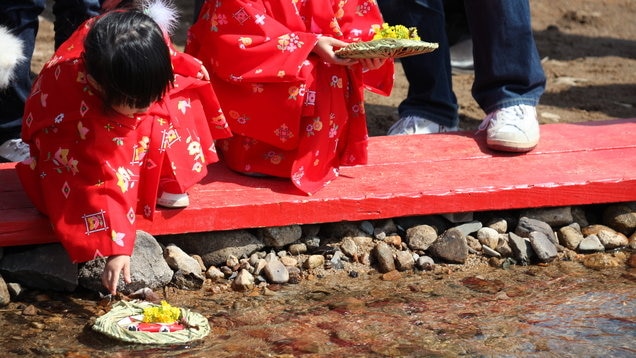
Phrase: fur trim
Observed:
(10, 56)
(164, 12)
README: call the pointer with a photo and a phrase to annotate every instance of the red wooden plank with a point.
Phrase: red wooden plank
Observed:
(407, 175)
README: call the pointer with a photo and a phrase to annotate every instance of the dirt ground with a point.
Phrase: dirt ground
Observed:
(588, 49)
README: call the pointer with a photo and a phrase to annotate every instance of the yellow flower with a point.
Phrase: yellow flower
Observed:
(395, 32)
(162, 314)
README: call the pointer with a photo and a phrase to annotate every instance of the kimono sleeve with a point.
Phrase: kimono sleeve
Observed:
(245, 41)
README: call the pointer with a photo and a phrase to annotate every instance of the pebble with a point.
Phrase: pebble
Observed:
(488, 237)
(384, 257)
(591, 243)
(570, 236)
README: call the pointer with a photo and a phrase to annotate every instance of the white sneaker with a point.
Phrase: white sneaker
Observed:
(14, 150)
(170, 200)
(512, 129)
(418, 125)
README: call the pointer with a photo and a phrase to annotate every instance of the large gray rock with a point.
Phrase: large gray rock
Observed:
(451, 246)
(44, 267)
(544, 248)
(555, 217)
(147, 268)
(215, 247)
(527, 225)
(280, 236)
(521, 249)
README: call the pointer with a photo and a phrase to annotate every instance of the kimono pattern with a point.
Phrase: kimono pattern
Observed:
(92, 170)
(292, 114)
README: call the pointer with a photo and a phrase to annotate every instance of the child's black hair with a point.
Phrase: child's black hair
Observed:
(125, 52)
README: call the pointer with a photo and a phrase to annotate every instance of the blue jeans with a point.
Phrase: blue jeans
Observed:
(507, 65)
(21, 17)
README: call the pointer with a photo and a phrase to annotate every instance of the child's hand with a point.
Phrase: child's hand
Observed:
(114, 267)
(324, 49)
(372, 63)
(203, 74)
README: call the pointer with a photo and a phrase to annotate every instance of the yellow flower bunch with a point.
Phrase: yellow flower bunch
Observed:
(162, 314)
(396, 32)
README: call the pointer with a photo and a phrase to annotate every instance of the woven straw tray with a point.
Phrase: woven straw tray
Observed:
(386, 48)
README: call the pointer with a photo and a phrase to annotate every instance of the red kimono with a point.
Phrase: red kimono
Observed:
(292, 114)
(92, 170)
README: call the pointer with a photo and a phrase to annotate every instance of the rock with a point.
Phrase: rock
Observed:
(555, 217)
(570, 236)
(527, 225)
(214, 273)
(243, 281)
(579, 217)
(274, 271)
(503, 247)
(297, 249)
(178, 260)
(609, 237)
(404, 261)
(288, 261)
(314, 261)
(148, 268)
(631, 261)
(349, 247)
(215, 247)
(187, 280)
(521, 249)
(341, 229)
(488, 237)
(5, 296)
(280, 236)
(542, 246)
(384, 257)
(44, 267)
(469, 227)
(367, 227)
(425, 263)
(420, 237)
(393, 275)
(621, 217)
(591, 243)
(451, 246)
(601, 261)
(499, 224)
(490, 252)
(473, 243)
(459, 217)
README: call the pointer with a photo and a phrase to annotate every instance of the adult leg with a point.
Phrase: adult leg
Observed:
(21, 17)
(69, 14)
(430, 94)
(507, 65)
(509, 79)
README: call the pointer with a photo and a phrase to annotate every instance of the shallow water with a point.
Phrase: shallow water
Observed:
(562, 309)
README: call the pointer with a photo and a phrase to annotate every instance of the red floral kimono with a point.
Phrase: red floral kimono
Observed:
(92, 170)
(292, 114)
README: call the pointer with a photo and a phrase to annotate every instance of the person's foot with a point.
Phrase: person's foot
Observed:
(14, 150)
(170, 200)
(461, 56)
(512, 129)
(418, 125)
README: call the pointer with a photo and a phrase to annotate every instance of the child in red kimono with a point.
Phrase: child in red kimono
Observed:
(296, 110)
(114, 118)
